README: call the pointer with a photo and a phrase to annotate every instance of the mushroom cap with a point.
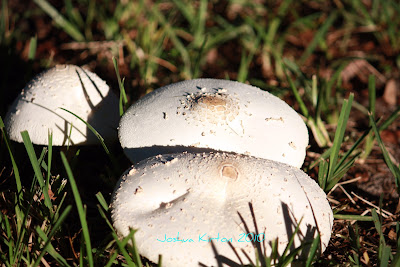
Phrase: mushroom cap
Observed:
(191, 196)
(205, 115)
(38, 108)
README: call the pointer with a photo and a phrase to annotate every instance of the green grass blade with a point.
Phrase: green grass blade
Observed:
(354, 238)
(48, 248)
(371, 94)
(90, 15)
(186, 10)
(81, 210)
(384, 250)
(316, 95)
(121, 246)
(335, 78)
(296, 94)
(32, 48)
(4, 260)
(102, 201)
(72, 14)
(396, 260)
(392, 167)
(353, 147)
(323, 174)
(134, 251)
(359, 6)
(313, 250)
(353, 217)
(101, 139)
(22, 231)
(69, 136)
(385, 256)
(398, 232)
(123, 100)
(324, 156)
(170, 31)
(343, 168)
(135, 261)
(159, 261)
(318, 37)
(59, 206)
(36, 167)
(276, 22)
(19, 193)
(112, 259)
(197, 62)
(228, 32)
(340, 130)
(285, 261)
(104, 216)
(9, 239)
(49, 158)
(392, 29)
(60, 20)
(369, 142)
(3, 21)
(200, 24)
(291, 240)
(246, 59)
(390, 120)
(13, 162)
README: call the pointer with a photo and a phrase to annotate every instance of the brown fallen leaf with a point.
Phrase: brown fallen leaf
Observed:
(392, 235)
(391, 92)
(389, 136)
(51, 195)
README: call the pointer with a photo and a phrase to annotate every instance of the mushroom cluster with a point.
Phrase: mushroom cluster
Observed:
(216, 161)
(39, 108)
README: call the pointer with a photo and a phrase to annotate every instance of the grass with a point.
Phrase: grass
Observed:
(54, 201)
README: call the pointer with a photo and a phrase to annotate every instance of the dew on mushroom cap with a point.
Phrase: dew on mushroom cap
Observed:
(38, 108)
(202, 198)
(205, 115)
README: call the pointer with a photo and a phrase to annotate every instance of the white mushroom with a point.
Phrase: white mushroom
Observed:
(178, 201)
(38, 108)
(213, 115)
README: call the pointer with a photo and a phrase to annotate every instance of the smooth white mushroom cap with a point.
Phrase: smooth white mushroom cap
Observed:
(37, 108)
(200, 195)
(213, 115)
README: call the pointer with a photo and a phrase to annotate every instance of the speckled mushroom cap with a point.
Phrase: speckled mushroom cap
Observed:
(178, 201)
(37, 108)
(213, 115)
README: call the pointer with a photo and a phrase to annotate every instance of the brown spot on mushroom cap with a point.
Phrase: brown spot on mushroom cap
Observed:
(230, 172)
(211, 101)
(215, 108)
